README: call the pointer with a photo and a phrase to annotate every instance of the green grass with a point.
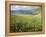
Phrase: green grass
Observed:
(25, 23)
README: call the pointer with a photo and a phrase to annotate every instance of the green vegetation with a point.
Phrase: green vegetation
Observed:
(25, 23)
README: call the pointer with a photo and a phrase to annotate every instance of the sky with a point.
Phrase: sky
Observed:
(17, 7)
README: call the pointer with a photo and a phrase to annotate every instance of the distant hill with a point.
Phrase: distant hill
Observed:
(22, 12)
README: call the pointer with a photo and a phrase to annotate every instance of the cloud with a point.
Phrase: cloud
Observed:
(17, 7)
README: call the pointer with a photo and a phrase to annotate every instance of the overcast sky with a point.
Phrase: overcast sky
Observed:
(17, 7)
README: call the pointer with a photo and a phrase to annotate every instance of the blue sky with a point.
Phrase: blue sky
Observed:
(17, 7)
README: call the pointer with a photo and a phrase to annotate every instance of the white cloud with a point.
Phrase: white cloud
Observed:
(16, 7)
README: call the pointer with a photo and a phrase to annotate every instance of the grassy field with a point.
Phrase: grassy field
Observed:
(25, 23)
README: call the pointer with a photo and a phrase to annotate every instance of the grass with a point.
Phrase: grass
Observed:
(25, 23)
